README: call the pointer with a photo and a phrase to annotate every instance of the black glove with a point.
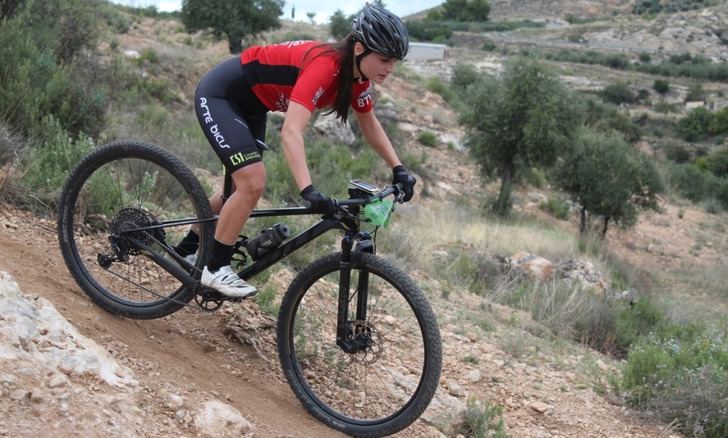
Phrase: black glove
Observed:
(402, 177)
(317, 200)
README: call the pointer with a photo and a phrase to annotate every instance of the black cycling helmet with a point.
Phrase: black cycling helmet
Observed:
(381, 31)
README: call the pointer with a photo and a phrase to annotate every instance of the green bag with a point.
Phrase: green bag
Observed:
(379, 212)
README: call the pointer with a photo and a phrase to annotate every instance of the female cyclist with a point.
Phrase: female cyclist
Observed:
(298, 77)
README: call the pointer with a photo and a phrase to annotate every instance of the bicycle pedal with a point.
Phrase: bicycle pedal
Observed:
(209, 294)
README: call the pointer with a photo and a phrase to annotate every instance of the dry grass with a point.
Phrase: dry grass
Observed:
(429, 227)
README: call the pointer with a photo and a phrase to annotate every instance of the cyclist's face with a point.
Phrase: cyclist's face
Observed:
(375, 66)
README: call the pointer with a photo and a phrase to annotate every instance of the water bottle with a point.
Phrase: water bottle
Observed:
(268, 239)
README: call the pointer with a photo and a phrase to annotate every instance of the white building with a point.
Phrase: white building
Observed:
(426, 52)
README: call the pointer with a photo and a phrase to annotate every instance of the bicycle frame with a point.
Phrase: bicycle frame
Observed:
(348, 253)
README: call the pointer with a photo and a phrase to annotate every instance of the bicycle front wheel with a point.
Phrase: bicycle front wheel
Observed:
(380, 389)
(124, 186)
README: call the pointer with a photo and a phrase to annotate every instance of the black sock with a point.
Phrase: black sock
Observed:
(188, 245)
(221, 255)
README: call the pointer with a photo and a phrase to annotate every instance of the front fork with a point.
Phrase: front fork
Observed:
(345, 332)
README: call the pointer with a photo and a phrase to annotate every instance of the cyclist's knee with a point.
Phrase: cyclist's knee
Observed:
(250, 179)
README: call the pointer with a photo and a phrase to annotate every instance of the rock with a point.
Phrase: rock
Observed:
(540, 407)
(584, 272)
(537, 197)
(473, 376)
(36, 395)
(455, 389)
(27, 320)
(175, 401)
(217, 419)
(331, 127)
(56, 381)
(133, 54)
(19, 394)
(531, 265)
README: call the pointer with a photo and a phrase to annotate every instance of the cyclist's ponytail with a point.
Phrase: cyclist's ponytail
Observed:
(345, 49)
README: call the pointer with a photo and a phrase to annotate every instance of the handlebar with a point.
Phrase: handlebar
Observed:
(394, 189)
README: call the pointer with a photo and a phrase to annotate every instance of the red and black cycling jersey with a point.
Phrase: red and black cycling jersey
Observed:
(299, 71)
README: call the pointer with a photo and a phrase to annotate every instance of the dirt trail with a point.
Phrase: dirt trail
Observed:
(184, 353)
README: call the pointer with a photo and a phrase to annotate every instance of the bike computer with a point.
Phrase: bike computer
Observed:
(364, 186)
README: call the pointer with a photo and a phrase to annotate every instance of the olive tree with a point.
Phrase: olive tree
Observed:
(526, 118)
(340, 24)
(608, 178)
(465, 10)
(233, 19)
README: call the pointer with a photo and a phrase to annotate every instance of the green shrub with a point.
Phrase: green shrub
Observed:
(427, 138)
(618, 93)
(677, 152)
(464, 75)
(488, 45)
(711, 205)
(696, 125)
(435, 85)
(148, 56)
(35, 83)
(427, 30)
(558, 207)
(717, 162)
(47, 165)
(535, 177)
(719, 124)
(695, 93)
(682, 375)
(692, 182)
(661, 86)
(481, 420)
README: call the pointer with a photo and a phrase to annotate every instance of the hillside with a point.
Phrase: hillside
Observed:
(155, 378)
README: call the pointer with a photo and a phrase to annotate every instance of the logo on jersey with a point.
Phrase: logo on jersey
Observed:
(365, 98)
(317, 95)
(294, 43)
(282, 103)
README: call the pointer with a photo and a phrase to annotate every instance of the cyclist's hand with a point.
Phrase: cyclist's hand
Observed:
(317, 200)
(403, 178)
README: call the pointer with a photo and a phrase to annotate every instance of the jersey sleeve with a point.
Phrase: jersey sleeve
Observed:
(313, 81)
(362, 98)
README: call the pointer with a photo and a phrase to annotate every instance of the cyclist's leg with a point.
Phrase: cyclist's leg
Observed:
(229, 133)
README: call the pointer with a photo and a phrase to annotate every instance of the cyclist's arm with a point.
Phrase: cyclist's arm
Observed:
(377, 138)
(297, 118)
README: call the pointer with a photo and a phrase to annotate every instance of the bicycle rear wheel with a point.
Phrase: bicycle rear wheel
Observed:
(122, 186)
(381, 389)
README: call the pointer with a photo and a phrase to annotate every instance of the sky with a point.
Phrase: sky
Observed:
(323, 8)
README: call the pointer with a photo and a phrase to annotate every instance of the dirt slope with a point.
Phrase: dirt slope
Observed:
(186, 353)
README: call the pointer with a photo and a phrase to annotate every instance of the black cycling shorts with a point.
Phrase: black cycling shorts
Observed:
(231, 116)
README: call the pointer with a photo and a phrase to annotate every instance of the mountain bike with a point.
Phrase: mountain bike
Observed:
(357, 340)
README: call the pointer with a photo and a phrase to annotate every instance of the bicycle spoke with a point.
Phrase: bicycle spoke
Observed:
(142, 186)
(369, 378)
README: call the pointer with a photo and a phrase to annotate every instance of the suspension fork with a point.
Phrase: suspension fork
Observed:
(348, 259)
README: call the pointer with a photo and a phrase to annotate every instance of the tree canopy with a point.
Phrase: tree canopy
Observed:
(461, 10)
(340, 24)
(233, 19)
(610, 178)
(524, 119)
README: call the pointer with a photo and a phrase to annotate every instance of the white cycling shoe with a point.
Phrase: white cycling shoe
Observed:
(227, 283)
